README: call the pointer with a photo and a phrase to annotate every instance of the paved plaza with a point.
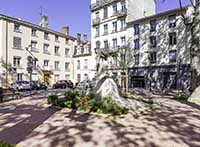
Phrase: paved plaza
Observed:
(29, 122)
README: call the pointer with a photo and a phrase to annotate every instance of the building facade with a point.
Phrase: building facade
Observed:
(109, 26)
(53, 50)
(162, 52)
(83, 60)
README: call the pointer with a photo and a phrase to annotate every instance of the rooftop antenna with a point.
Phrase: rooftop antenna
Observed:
(41, 11)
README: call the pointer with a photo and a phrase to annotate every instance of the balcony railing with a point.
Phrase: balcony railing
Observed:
(96, 21)
(107, 50)
(122, 13)
(100, 4)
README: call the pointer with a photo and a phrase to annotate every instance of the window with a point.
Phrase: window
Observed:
(46, 36)
(172, 56)
(105, 12)
(16, 61)
(67, 77)
(33, 45)
(106, 44)
(85, 76)
(172, 38)
(153, 42)
(123, 41)
(137, 29)
(16, 27)
(115, 26)
(153, 57)
(105, 29)
(98, 44)
(67, 52)
(19, 76)
(172, 21)
(97, 15)
(67, 66)
(97, 31)
(137, 59)
(46, 63)
(56, 65)
(17, 42)
(115, 43)
(85, 63)
(123, 24)
(137, 43)
(78, 64)
(153, 24)
(46, 48)
(34, 32)
(114, 9)
(123, 5)
(66, 41)
(56, 78)
(56, 38)
(56, 50)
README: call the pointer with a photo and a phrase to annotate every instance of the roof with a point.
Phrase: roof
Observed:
(12, 19)
(159, 15)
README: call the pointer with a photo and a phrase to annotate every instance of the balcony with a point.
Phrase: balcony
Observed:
(96, 21)
(47, 68)
(101, 3)
(121, 13)
(106, 51)
(81, 52)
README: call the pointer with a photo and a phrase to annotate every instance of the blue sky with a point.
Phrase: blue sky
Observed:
(75, 13)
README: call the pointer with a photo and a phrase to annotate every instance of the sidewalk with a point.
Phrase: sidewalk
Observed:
(30, 124)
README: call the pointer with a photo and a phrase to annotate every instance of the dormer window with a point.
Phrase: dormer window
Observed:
(34, 32)
(16, 27)
(46, 36)
(56, 38)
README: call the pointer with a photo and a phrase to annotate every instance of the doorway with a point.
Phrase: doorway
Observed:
(47, 79)
(78, 78)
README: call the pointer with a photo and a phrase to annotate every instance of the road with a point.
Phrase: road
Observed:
(28, 122)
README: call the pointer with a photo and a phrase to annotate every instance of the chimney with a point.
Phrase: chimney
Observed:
(44, 21)
(85, 38)
(65, 30)
(78, 38)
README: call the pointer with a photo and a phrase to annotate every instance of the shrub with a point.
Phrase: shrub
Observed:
(6, 145)
(181, 96)
(53, 99)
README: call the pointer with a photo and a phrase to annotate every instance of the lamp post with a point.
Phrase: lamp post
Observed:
(30, 61)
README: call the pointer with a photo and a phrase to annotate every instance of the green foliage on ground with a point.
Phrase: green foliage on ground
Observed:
(88, 102)
(181, 96)
(6, 145)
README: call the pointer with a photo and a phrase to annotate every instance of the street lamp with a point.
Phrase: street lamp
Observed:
(30, 61)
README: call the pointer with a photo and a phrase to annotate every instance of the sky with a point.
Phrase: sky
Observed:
(72, 13)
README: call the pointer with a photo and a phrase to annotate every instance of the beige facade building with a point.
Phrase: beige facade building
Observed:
(53, 50)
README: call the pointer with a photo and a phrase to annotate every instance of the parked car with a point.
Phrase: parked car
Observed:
(63, 84)
(38, 85)
(84, 84)
(21, 85)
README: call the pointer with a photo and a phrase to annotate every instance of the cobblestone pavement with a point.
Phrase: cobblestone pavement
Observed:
(30, 123)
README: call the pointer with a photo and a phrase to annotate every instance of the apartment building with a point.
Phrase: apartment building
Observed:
(161, 44)
(83, 60)
(53, 51)
(109, 25)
